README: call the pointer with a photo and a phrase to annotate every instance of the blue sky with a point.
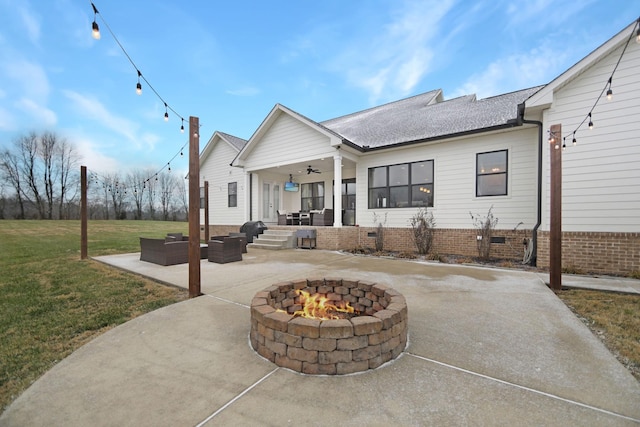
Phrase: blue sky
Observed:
(230, 62)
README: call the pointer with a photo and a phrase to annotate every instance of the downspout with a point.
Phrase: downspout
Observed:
(534, 232)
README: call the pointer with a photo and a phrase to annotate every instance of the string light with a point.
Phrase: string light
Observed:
(138, 85)
(96, 35)
(95, 30)
(181, 127)
(607, 89)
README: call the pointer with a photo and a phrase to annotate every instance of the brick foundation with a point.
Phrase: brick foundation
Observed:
(329, 347)
(600, 253)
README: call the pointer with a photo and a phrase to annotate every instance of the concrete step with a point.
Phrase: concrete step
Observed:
(275, 240)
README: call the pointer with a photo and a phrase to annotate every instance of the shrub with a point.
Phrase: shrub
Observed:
(423, 225)
(485, 226)
(379, 231)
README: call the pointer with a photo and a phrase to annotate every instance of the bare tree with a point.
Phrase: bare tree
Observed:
(27, 146)
(67, 163)
(47, 145)
(151, 190)
(137, 187)
(10, 168)
(167, 187)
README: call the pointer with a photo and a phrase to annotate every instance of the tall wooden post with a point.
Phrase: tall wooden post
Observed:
(194, 207)
(555, 207)
(206, 211)
(83, 213)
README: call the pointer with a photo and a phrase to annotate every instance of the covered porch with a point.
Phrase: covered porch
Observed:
(314, 192)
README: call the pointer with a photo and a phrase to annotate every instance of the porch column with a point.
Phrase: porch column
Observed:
(337, 190)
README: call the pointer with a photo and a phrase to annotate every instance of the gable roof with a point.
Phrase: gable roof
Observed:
(233, 141)
(427, 117)
(275, 112)
(237, 143)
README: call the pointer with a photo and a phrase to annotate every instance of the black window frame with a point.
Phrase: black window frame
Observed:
(317, 201)
(482, 174)
(387, 195)
(232, 194)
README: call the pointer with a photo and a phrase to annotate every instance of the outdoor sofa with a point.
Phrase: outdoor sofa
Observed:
(172, 250)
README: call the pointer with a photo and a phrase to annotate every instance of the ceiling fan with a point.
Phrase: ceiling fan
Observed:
(310, 170)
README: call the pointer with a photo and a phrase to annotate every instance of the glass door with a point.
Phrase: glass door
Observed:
(270, 201)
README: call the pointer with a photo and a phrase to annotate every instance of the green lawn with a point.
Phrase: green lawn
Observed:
(51, 302)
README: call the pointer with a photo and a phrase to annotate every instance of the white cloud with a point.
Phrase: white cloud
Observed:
(41, 114)
(393, 62)
(29, 78)
(93, 109)
(30, 21)
(514, 72)
(92, 158)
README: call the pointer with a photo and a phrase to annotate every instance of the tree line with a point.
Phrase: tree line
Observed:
(40, 179)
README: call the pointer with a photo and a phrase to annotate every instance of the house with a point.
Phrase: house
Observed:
(455, 157)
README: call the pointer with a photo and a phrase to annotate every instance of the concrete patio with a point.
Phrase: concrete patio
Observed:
(486, 347)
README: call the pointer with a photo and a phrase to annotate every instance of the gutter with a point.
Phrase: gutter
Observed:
(534, 232)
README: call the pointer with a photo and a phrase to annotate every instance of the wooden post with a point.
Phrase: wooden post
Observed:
(206, 211)
(555, 207)
(194, 207)
(83, 213)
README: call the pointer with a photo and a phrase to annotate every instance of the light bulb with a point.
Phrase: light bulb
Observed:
(166, 113)
(574, 142)
(138, 88)
(182, 128)
(609, 94)
(95, 33)
(590, 122)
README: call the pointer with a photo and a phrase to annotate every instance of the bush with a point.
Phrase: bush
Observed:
(485, 227)
(379, 231)
(423, 225)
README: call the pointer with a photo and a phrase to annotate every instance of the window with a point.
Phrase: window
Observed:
(201, 197)
(312, 196)
(232, 194)
(491, 173)
(401, 186)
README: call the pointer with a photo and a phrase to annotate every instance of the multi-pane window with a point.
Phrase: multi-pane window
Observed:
(232, 194)
(312, 196)
(201, 197)
(491, 173)
(401, 186)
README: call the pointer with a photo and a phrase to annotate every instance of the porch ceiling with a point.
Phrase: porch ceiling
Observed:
(324, 165)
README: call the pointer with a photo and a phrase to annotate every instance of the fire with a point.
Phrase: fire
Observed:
(318, 306)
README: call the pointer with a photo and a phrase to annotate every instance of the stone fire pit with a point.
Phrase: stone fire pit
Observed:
(376, 333)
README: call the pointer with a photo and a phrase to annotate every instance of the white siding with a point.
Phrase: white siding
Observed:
(288, 141)
(219, 174)
(601, 175)
(455, 180)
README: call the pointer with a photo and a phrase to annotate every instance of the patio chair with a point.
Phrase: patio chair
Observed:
(224, 249)
(323, 218)
(305, 218)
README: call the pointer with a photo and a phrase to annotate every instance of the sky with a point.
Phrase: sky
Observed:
(229, 62)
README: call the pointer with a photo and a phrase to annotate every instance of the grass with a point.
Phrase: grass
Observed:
(614, 318)
(51, 302)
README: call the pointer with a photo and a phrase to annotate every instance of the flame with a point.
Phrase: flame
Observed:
(318, 306)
